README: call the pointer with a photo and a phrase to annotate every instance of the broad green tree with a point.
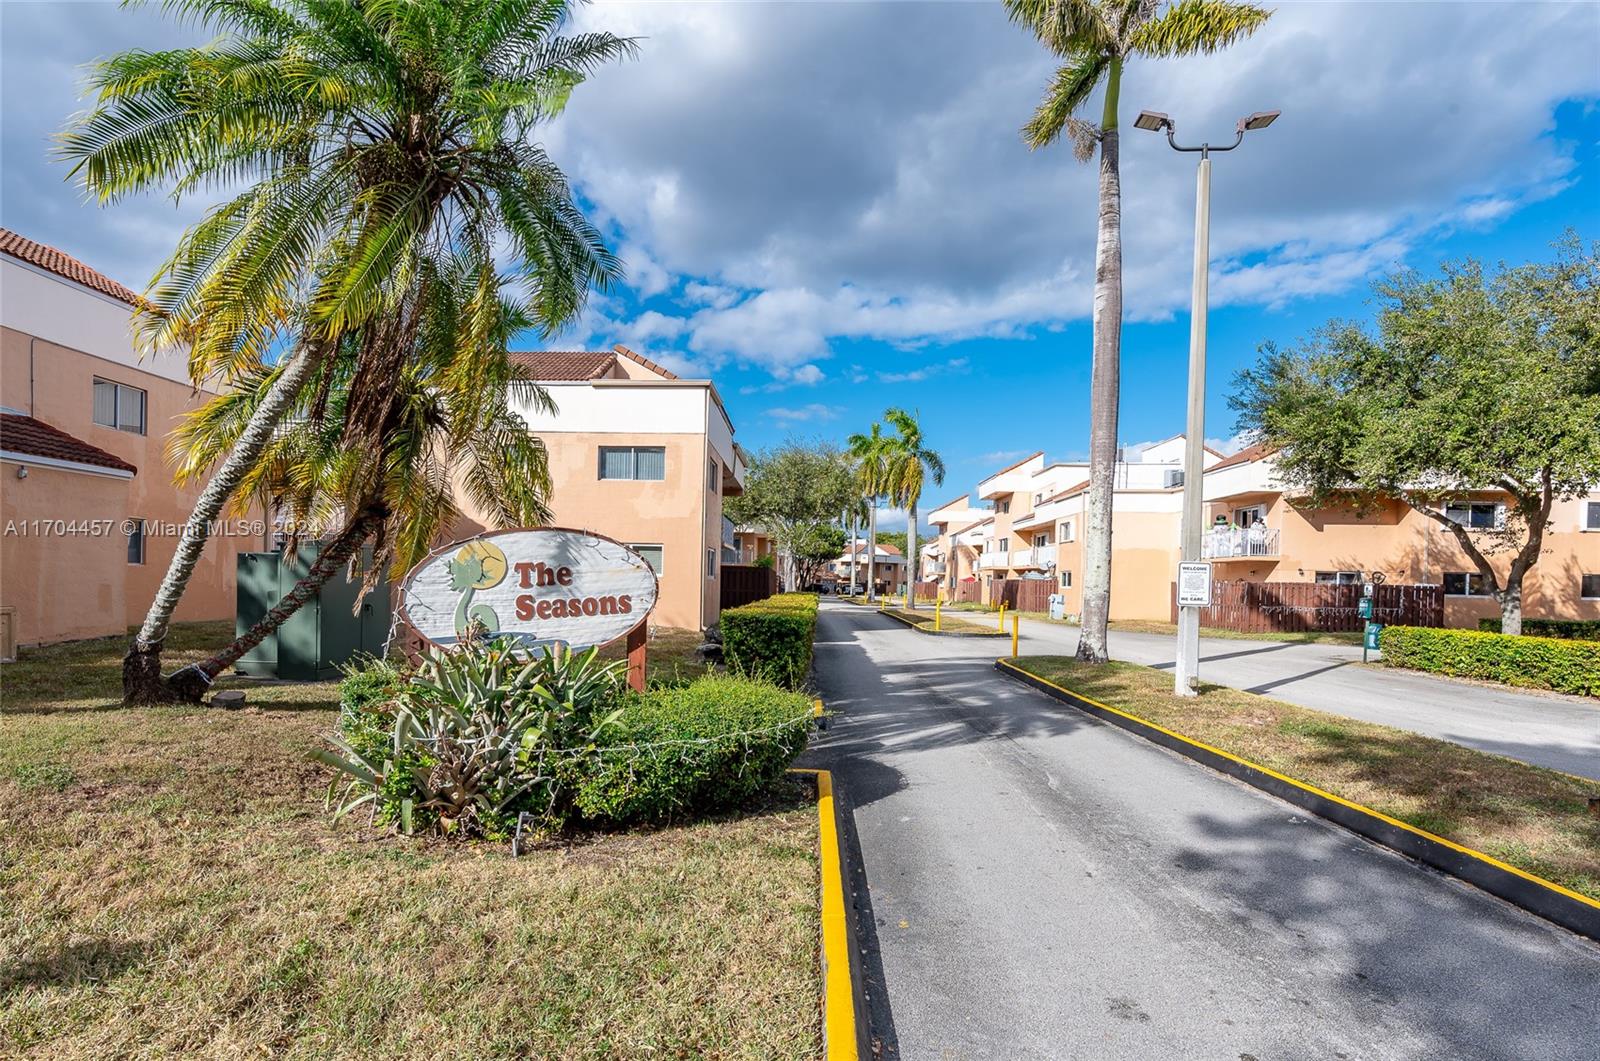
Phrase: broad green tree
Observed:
(911, 464)
(1094, 39)
(1472, 381)
(368, 139)
(452, 424)
(870, 451)
(791, 492)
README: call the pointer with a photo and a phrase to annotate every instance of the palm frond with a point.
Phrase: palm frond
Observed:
(1193, 27)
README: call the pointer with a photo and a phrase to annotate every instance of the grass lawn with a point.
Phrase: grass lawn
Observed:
(171, 884)
(949, 624)
(1535, 819)
(1308, 637)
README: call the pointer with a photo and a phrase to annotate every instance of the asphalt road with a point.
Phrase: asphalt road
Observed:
(1561, 732)
(1031, 883)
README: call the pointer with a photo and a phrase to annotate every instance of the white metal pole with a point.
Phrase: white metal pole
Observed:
(1187, 672)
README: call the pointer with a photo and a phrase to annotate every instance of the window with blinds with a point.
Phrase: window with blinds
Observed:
(652, 555)
(633, 462)
(120, 406)
(135, 528)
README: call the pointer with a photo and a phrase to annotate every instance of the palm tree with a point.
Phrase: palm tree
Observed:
(910, 464)
(370, 139)
(854, 515)
(451, 421)
(870, 452)
(1094, 39)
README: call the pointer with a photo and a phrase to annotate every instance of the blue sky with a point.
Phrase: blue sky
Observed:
(825, 207)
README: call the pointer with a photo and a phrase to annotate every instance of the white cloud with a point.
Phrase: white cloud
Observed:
(815, 411)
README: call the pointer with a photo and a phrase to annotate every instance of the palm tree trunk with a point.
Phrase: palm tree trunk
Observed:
(141, 667)
(912, 560)
(191, 682)
(1104, 384)
(852, 554)
(872, 552)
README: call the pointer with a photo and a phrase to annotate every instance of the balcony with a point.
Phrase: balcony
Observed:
(1041, 557)
(1234, 543)
(1021, 558)
(990, 561)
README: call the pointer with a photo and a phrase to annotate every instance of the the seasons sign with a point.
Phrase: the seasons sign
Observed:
(539, 586)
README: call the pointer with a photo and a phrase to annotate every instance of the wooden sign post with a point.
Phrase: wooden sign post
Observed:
(638, 638)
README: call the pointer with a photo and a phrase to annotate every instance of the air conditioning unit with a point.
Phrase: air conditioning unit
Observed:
(1172, 478)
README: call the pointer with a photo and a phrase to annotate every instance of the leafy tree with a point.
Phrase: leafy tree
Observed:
(894, 538)
(451, 421)
(791, 492)
(910, 464)
(815, 546)
(370, 139)
(870, 451)
(1473, 382)
(1094, 40)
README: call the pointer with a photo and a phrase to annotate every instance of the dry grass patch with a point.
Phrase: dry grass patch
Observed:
(1535, 819)
(949, 624)
(171, 884)
(1306, 637)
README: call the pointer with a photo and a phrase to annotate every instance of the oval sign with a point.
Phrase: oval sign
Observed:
(542, 587)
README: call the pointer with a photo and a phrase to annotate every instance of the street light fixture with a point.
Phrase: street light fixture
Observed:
(1187, 671)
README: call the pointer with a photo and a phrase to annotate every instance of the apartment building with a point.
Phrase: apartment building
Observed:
(87, 503)
(1259, 533)
(751, 544)
(950, 557)
(641, 456)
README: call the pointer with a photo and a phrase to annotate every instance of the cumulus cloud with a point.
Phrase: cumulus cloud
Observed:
(812, 412)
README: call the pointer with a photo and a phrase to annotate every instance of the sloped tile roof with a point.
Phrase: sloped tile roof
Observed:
(63, 265)
(659, 370)
(23, 434)
(1244, 456)
(560, 365)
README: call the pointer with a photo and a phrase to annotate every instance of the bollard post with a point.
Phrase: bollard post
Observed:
(1014, 632)
(1002, 626)
(938, 605)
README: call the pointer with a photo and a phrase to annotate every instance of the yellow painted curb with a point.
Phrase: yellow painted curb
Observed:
(1312, 790)
(838, 992)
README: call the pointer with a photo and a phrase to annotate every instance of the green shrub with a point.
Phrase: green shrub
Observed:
(1537, 662)
(771, 638)
(703, 747)
(1566, 629)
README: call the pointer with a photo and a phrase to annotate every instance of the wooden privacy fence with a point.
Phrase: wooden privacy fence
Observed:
(928, 590)
(966, 593)
(1022, 594)
(746, 583)
(1259, 607)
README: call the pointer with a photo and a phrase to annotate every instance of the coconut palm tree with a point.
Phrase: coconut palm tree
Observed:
(369, 139)
(452, 421)
(1094, 40)
(910, 465)
(870, 451)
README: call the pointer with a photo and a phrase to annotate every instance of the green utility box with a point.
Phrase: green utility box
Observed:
(327, 632)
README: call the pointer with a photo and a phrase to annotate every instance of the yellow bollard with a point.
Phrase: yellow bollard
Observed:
(1014, 632)
(1002, 624)
(938, 607)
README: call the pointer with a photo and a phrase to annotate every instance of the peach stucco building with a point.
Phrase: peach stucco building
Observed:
(642, 456)
(87, 502)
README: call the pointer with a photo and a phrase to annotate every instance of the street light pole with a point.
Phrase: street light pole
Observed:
(1187, 671)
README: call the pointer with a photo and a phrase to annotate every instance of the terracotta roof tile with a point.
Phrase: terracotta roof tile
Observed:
(63, 265)
(645, 361)
(558, 365)
(1244, 456)
(23, 434)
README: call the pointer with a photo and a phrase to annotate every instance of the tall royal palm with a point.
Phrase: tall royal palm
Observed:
(369, 139)
(910, 465)
(870, 452)
(1094, 40)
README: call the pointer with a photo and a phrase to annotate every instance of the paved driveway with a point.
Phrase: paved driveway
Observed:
(1034, 884)
(1561, 732)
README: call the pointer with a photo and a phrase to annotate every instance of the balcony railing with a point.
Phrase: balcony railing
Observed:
(1040, 556)
(1222, 543)
(992, 560)
(1022, 558)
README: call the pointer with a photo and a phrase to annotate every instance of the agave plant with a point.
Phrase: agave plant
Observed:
(474, 732)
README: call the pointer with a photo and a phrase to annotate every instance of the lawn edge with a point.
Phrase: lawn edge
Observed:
(841, 1000)
(1569, 909)
(924, 630)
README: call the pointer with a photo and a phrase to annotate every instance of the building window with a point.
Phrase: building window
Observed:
(713, 476)
(1069, 533)
(1479, 515)
(1066, 580)
(1247, 517)
(711, 563)
(1041, 540)
(1591, 517)
(1464, 584)
(1589, 587)
(135, 540)
(652, 555)
(1002, 544)
(120, 406)
(1338, 578)
(633, 462)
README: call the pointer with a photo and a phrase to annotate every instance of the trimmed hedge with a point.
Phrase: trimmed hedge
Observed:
(708, 746)
(1566, 629)
(1536, 662)
(771, 638)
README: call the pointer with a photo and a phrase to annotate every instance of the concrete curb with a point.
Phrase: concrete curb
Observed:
(842, 999)
(1549, 900)
(924, 630)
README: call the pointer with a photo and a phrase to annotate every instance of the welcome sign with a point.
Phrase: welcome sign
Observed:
(542, 587)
